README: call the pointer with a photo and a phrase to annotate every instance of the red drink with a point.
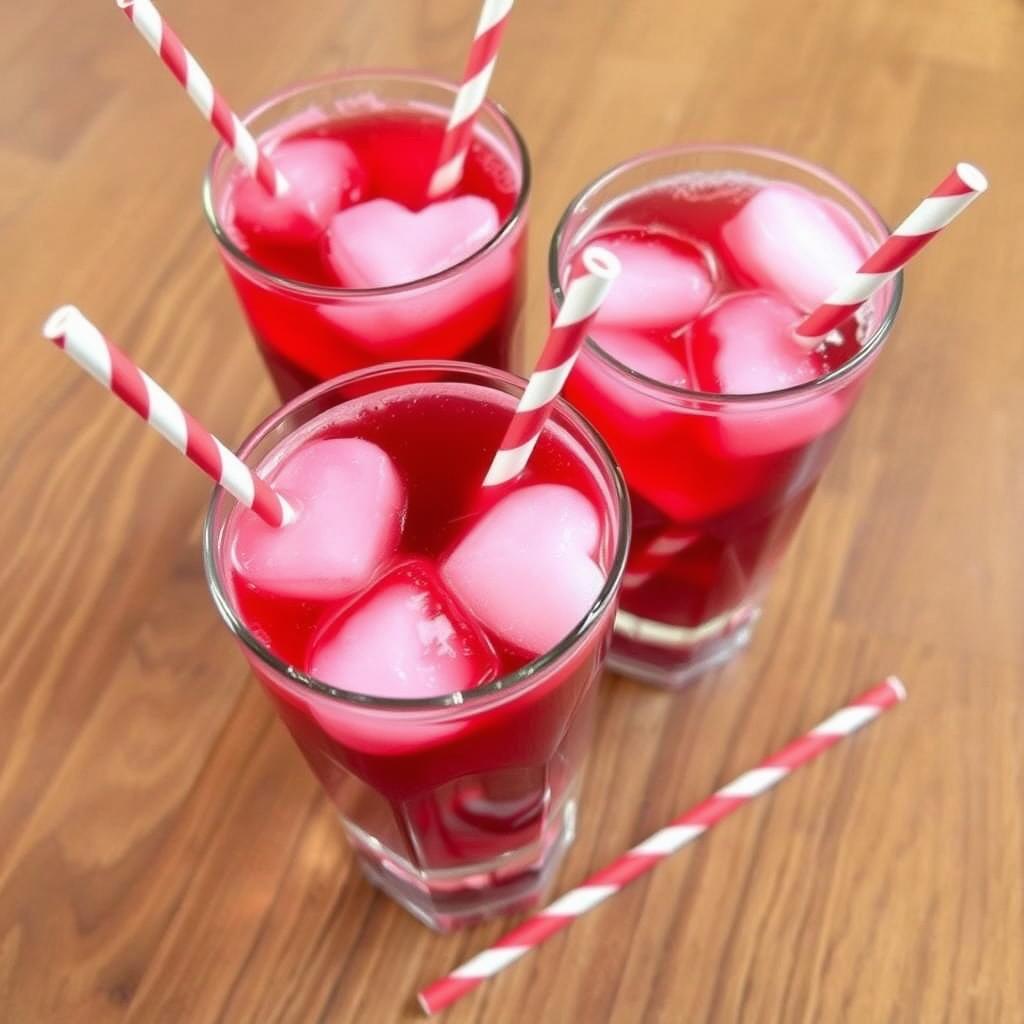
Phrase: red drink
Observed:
(369, 271)
(721, 422)
(441, 694)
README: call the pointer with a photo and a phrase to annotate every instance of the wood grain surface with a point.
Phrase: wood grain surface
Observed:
(164, 853)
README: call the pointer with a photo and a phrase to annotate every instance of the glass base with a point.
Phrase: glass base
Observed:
(674, 656)
(451, 898)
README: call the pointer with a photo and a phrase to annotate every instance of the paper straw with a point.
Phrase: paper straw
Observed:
(946, 202)
(211, 104)
(69, 329)
(458, 133)
(583, 298)
(641, 859)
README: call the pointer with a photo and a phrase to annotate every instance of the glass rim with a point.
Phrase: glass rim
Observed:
(307, 288)
(866, 350)
(505, 684)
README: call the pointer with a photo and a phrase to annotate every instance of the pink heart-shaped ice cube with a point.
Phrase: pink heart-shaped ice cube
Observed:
(404, 637)
(745, 346)
(526, 569)
(323, 176)
(797, 244)
(380, 243)
(350, 504)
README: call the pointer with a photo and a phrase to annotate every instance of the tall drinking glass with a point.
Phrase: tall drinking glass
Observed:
(718, 482)
(458, 805)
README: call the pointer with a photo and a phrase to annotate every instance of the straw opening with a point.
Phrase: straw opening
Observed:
(58, 321)
(973, 177)
(601, 262)
(896, 685)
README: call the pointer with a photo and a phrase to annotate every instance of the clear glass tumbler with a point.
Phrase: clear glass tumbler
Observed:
(458, 806)
(718, 482)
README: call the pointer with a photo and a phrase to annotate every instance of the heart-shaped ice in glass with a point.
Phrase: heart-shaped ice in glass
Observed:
(527, 568)
(323, 175)
(349, 504)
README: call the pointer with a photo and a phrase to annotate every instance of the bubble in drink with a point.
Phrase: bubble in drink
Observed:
(323, 175)
(381, 243)
(794, 243)
(665, 281)
(349, 503)
(404, 637)
(527, 569)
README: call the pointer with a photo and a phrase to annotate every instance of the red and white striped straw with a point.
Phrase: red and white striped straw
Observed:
(458, 133)
(947, 201)
(583, 298)
(69, 329)
(679, 833)
(212, 105)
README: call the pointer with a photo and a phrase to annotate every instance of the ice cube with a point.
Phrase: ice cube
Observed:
(350, 728)
(526, 569)
(665, 281)
(745, 346)
(633, 407)
(323, 175)
(350, 505)
(405, 637)
(380, 243)
(794, 243)
(436, 319)
(660, 358)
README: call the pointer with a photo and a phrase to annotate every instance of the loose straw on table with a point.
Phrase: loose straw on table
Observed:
(641, 859)
(583, 297)
(458, 133)
(69, 329)
(211, 104)
(946, 202)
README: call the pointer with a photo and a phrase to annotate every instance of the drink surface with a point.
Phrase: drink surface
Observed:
(361, 221)
(354, 160)
(717, 271)
(395, 580)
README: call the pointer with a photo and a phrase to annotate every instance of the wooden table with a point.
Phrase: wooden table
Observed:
(165, 855)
